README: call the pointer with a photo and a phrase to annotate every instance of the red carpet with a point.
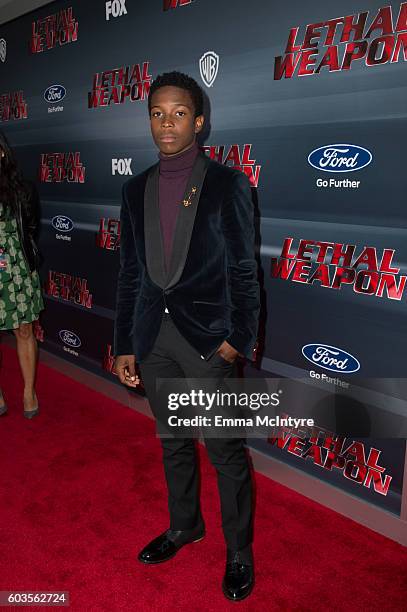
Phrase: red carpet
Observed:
(82, 490)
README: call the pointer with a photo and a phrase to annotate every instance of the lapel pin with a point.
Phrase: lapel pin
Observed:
(190, 197)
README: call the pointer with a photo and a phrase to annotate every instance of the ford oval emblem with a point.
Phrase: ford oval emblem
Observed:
(69, 338)
(340, 158)
(62, 223)
(331, 358)
(54, 93)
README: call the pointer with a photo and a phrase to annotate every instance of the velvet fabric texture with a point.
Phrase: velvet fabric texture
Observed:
(211, 289)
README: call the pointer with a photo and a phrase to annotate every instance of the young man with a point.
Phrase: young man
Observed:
(187, 306)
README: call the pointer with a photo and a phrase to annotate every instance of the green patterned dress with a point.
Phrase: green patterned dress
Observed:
(20, 289)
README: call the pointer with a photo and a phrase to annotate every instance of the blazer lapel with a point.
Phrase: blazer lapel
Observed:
(185, 220)
(155, 259)
(152, 230)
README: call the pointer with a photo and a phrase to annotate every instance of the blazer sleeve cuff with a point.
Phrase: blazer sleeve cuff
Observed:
(122, 345)
(244, 345)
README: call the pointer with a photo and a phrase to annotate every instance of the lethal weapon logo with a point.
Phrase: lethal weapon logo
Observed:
(108, 236)
(69, 288)
(333, 265)
(13, 106)
(172, 4)
(376, 41)
(238, 157)
(332, 452)
(58, 29)
(121, 84)
(62, 167)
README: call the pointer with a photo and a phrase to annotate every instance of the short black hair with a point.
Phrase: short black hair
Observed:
(179, 79)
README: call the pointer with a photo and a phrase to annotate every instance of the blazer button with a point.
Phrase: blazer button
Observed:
(202, 357)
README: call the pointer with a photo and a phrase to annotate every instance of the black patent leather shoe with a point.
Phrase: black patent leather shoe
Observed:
(168, 544)
(239, 575)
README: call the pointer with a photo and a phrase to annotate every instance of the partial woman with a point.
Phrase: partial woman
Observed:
(20, 290)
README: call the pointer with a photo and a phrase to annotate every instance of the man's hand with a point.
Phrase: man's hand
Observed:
(124, 365)
(227, 352)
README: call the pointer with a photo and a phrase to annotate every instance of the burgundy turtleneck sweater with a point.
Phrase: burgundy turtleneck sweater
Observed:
(174, 175)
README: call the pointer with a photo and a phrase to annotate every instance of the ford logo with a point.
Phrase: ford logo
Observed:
(62, 223)
(69, 338)
(54, 93)
(331, 358)
(340, 158)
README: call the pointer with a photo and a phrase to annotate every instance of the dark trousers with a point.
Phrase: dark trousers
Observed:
(173, 357)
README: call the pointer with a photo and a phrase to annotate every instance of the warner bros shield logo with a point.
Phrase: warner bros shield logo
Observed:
(208, 67)
(3, 50)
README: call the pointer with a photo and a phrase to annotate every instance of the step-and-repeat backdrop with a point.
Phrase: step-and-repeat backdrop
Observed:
(309, 100)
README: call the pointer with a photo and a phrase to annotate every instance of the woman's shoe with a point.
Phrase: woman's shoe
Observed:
(29, 414)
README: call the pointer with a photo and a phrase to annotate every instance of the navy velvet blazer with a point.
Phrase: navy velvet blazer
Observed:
(211, 288)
